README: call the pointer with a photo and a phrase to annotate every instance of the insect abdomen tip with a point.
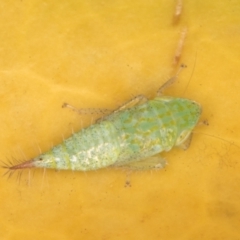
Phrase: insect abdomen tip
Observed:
(27, 164)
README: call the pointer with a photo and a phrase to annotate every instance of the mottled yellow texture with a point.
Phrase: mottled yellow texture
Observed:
(100, 54)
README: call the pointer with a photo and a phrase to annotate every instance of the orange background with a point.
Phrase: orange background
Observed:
(100, 54)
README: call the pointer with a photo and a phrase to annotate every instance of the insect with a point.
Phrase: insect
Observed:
(128, 136)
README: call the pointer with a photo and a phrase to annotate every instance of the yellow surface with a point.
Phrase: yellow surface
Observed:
(100, 54)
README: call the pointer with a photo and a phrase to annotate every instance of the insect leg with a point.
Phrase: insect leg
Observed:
(155, 162)
(139, 99)
(185, 145)
(87, 110)
(179, 49)
(170, 81)
(178, 10)
(134, 101)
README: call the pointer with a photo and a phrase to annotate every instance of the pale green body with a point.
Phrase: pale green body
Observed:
(126, 136)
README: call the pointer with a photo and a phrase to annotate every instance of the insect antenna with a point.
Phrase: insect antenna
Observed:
(195, 62)
(216, 137)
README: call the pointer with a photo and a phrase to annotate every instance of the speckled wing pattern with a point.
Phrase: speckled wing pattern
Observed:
(127, 136)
